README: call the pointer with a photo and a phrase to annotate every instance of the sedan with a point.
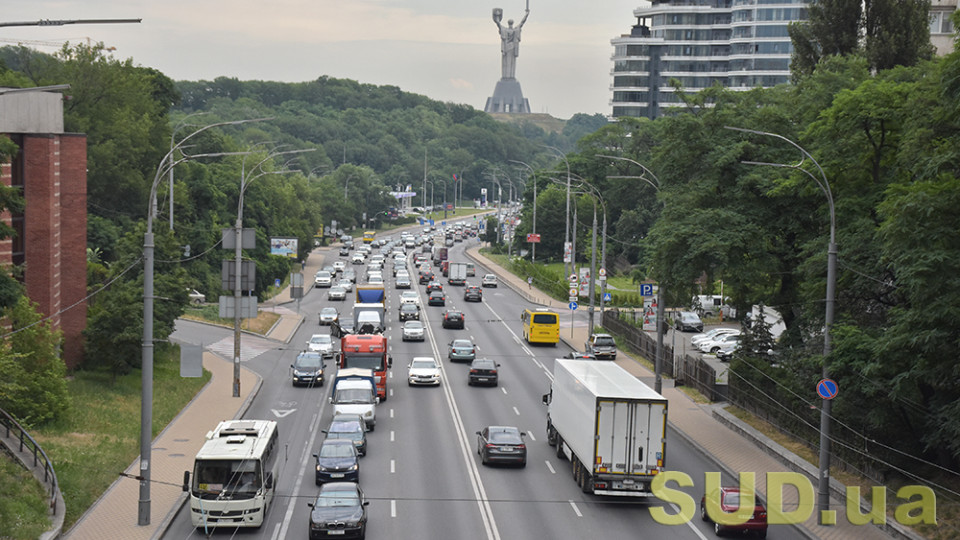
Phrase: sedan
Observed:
(461, 350)
(434, 286)
(337, 461)
(410, 297)
(436, 298)
(714, 345)
(344, 251)
(426, 277)
(728, 499)
(321, 343)
(711, 334)
(339, 266)
(337, 293)
(688, 320)
(350, 427)
(329, 315)
(409, 312)
(403, 282)
(423, 371)
(473, 294)
(346, 284)
(413, 331)
(483, 370)
(308, 369)
(453, 319)
(502, 444)
(489, 280)
(341, 509)
(196, 297)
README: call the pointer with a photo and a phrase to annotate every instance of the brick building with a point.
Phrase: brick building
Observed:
(51, 232)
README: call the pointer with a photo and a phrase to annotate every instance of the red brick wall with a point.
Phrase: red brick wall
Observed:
(73, 245)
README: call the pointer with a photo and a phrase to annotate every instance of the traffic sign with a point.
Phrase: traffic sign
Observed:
(573, 305)
(646, 289)
(573, 291)
(827, 388)
(607, 297)
(602, 274)
(573, 298)
(573, 278)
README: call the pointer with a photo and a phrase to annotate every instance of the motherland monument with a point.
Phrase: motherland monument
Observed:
(507, 96)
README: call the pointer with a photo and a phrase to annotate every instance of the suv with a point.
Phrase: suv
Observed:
(688, 320)
(473, 294)
(489, 280)
(601, 346)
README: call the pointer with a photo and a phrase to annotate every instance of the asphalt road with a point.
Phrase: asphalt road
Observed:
(422, 473)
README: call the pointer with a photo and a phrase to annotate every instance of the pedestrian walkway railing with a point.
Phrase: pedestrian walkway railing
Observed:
(26, 444)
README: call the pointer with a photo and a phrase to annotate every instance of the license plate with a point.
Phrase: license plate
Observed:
(506, 449)
(484, 379)
(336, 475)
(332, 533)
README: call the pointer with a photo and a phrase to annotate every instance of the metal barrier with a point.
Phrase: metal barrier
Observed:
(13, 430)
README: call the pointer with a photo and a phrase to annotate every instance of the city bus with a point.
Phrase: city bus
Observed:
(234, 474)
(368, 236)
(541, 325)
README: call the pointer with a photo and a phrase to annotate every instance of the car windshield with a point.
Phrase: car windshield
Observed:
(412, 325)
(423, 364)
(689, 316)
(504, 436)
(331, 499)
(353, 395)
(307, 362)
(328, 311)
(321, 339)
(336, 450)
(345, 427)
(462, 343)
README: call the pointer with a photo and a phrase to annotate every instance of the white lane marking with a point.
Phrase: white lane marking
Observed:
(504, 390)
(391, 392)
(503, 321)
(532, 438)
(515, 338)
(528, 351)
(549, 466)
(689, 523)
(391, 436)
(391, 413)
(516, 411)
(575, 509)
(390, 375)
(294, 499)
(393, 466)
(276, 530)
(393, 508)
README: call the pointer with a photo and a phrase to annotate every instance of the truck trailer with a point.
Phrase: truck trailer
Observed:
(611, 426)
(457, 273)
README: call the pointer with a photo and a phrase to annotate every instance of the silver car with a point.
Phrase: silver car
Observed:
(413, 331)
(337, 293)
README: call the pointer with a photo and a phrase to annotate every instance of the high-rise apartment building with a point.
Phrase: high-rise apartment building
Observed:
(738, 44)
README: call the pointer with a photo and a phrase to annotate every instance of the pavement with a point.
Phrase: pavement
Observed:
(732, 445)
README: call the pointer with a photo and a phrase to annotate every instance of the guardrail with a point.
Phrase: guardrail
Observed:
(13, 430)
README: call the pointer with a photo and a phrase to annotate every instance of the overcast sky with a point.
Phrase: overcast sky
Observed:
(448, 50)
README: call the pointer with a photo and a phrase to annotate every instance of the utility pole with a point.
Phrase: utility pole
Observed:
(593, 269)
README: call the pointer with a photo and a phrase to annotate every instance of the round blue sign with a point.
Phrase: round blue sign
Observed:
(573, 305)
(827, 388)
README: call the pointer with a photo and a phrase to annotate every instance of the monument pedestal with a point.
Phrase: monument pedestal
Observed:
(507, 98)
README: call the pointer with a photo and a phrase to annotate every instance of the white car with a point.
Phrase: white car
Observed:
(711, 334)
(489, 280)
(321, 343)
(339, 266)
(423, 371)
(413, 331)
(375, 279)
(323, 279)
(358, 258)
(410, 297)
(720, 342)
(346, 285)
(196, 297)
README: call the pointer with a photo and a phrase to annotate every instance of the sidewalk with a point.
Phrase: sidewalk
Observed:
(699, 425)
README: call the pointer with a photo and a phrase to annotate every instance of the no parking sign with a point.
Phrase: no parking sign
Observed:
(827, 388)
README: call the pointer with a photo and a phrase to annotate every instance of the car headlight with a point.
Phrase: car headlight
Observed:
(354, 467)
(368, 413)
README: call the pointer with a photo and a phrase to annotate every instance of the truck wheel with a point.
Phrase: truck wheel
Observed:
(587, 485)
(560, 453)
(551, 435)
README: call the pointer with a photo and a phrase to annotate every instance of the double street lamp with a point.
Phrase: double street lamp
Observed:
(533, 174)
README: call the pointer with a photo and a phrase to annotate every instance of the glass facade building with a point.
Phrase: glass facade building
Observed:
(738, 44)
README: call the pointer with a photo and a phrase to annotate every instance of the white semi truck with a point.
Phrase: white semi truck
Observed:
(611, 427)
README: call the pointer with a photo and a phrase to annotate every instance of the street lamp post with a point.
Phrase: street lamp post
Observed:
(146, 361)
(173, 135)
(823, 487)
(566, 234)
(533, 248)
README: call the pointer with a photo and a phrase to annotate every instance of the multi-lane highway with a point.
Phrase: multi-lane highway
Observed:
(422, 472)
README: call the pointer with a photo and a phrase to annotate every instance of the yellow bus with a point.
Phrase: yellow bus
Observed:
(541, 325)
(368, 236)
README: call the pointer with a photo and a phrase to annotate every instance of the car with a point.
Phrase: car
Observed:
(375, 279)
(483, 370)
(426, 276)
(436, 298)
(340, 507)
(725, 353)
(489, 280)
(337, 461)
(308, 369)
(350, 427)
(323, 279)
(346, 326)
(329, 315)
(460, 350)
(728, 498)
(339, 266)
(453, 319)
(423, 370)
(358, 258)
(349, 275)
(688, 320)
(502, 444)
(346, 284)
(337, 293)
(196, 297)
(577, 355)
(410, 297)
(409, 312)
(719, 342)
(344, 251)
(713, 333)
(330, 268)
(434, 286)
(321, 343)
(403, 282)
(602, 346)
(413, 331)
(472, 293)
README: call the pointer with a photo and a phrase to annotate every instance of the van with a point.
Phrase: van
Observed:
(471, 270)
(356, 396)
(708, 304)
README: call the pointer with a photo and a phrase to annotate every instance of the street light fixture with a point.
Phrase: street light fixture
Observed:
(823, 487)
(566, 234)
(533, 248)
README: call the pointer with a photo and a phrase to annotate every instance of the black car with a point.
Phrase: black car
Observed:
(350, 427)
(340, 508)
(308, 369)
(688, 320)
(453, 319)
(436, 298)
(473, 294)
(434, 286)
(426, 277)
(502, 444)
(483, 371)
(337, 461)
(409, 312)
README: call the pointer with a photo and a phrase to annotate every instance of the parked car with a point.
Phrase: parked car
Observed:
(601, 346)
(729, 501)
(473, 294)
(711, 334)
(453, 319)
(423, 371)
(434, 286)
(350, 427)
(688, 320)
(502, 444)
(436, 298)
(489, 280)
(461, 350)
(339, 507)
(483, 370)
(413, 331)
(321, 343)
(307, 369)
(337, 461)
(337, 293)
(719, 342)
(196, 297)
(409, 312)
(329, 315)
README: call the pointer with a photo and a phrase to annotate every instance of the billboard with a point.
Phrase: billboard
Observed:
(285, 247)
